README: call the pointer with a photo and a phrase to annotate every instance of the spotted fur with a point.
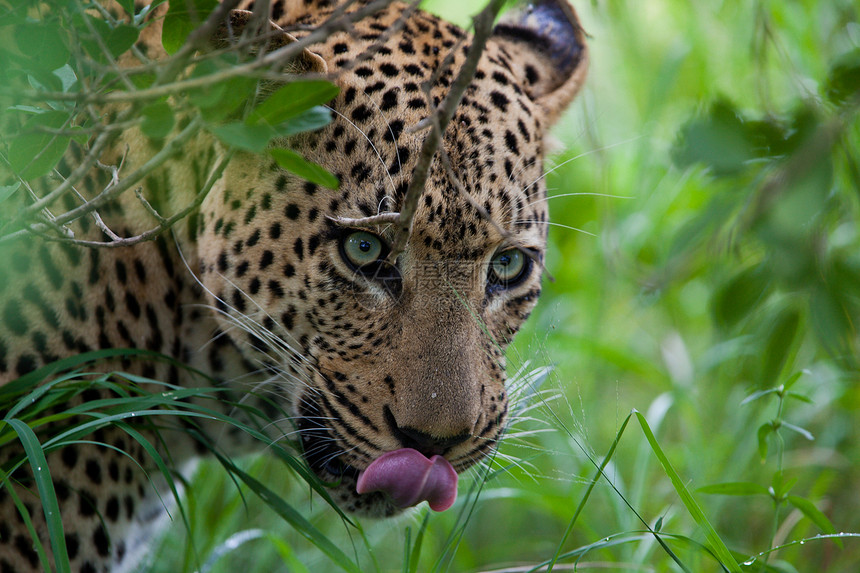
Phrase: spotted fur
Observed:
(254, 289)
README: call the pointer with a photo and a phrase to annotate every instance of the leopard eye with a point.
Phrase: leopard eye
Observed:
(361, 248)
(509, 267)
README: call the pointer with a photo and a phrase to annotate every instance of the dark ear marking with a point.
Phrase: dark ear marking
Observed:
(550, 27)
(547, 45)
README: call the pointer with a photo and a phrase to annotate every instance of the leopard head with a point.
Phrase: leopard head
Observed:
(395, 371)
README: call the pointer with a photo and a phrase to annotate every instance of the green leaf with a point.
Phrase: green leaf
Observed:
(799, 397)
(737, 298)
(6, 191)
(24, 515)
(415, 553)
(780, 343)
(67, 77)
(291, 561)
(295, 163)
(719, 141)
(182, 18)
(43, 43)
(221, 98)
(229, 545)
(47, 495)
(128, 6)
(763, 431)
(240, 135)
(792, 380)
(756, 395)
(831, 320)
(803, 432)
(104, 42)
(311, 120)
(157, 120)
(721, 552)
(120, 39)
(843, 81)
(291, 100)
(813, 513)
(33, 153)
(780, 486)
(734, 488)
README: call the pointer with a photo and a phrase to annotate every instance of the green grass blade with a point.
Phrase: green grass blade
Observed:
(813, 513)
(48, 496)
(231, 544)
(719, 548)
(416, 547)
(293, 517)
(587, 494)
(292, 562)
(24, 513)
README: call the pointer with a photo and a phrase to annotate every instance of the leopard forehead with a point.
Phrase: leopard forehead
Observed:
(492, 149)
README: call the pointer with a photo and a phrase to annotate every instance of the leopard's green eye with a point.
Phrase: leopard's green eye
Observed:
(361, 248)
(508, 267)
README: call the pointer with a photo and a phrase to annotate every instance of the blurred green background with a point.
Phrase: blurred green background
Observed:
(705, 251)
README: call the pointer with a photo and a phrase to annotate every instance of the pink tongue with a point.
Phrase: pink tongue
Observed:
(409, 478)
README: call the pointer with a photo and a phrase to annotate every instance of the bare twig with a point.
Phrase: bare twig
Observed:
(113, 67)
(164, 224)
(483, 26)
(149, 208)
(372, 221)
(112, 191)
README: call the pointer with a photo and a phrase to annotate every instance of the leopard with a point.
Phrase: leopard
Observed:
(283, 292)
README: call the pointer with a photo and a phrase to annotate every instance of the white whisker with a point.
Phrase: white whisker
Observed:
(584, 232)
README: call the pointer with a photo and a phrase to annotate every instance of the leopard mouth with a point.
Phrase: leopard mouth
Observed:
(322, 453)
(340, 479)
(394, 481)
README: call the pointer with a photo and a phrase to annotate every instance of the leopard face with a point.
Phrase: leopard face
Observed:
(375, 356)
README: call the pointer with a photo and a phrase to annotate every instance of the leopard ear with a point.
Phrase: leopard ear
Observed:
(547, 50)
(235, 27)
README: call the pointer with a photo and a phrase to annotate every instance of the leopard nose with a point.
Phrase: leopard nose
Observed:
(425, 442)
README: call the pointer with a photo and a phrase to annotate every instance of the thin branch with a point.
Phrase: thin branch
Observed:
(276, 57)
(373, 221)
(483, 27)
(195, 41)
(149, 208)
(164, 224)
(164, 85)
(112, 191)
(113, 67)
